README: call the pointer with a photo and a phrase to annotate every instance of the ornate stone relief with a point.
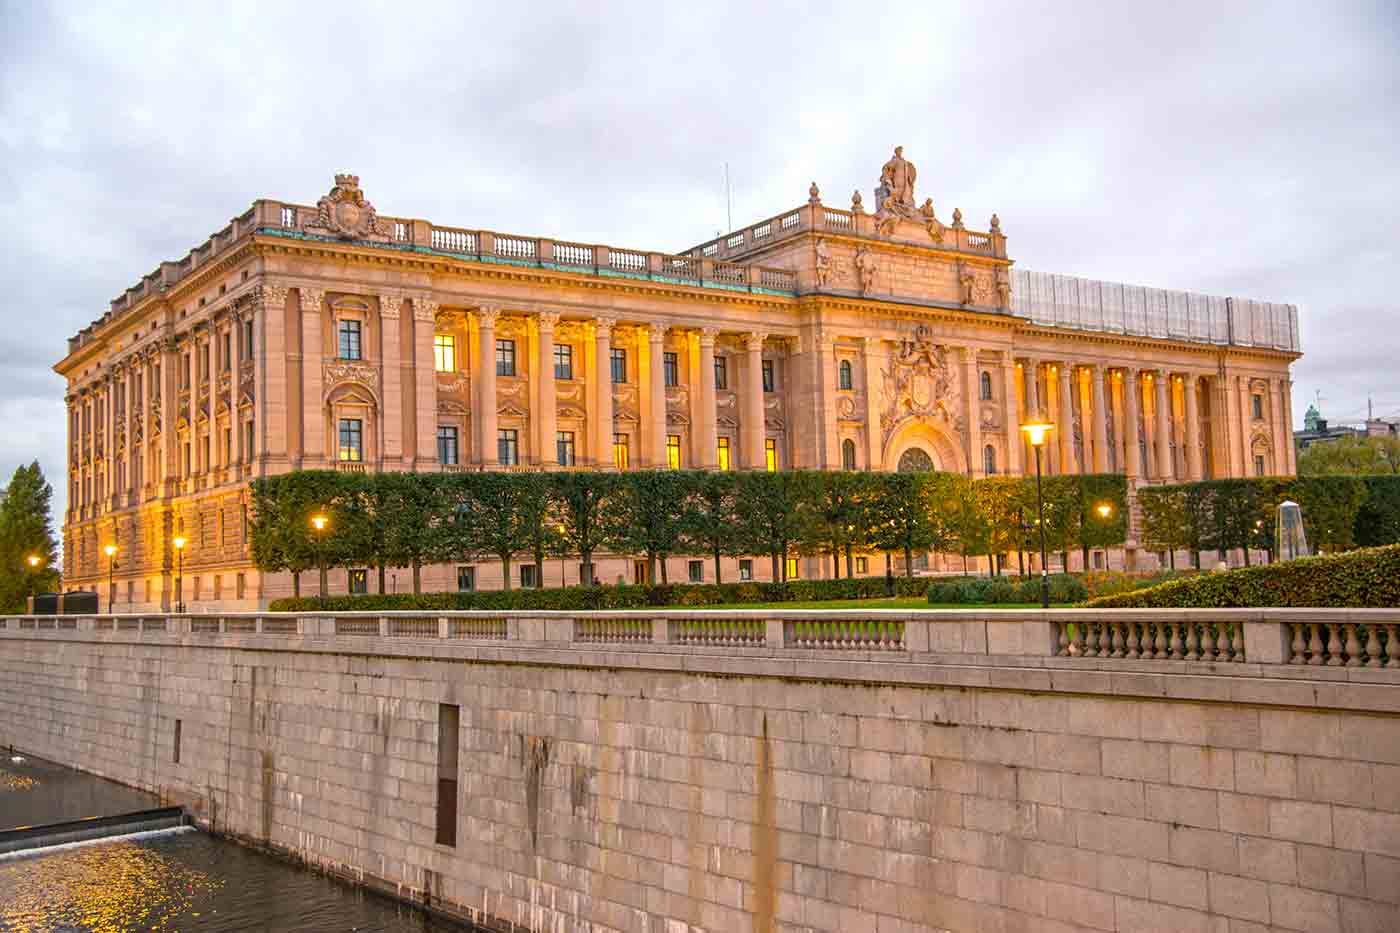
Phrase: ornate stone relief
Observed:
(425, 310)
(342, 371)
(569, 400)
(825, 264)
(991, 417)
(345, 212)
(678, 397)
(625, 401)
(513, 397)
(390, 306)
(865, 270)
(848, 407)
(918, 384)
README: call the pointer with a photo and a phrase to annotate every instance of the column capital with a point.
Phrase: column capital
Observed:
(754, 340)
(425, 309)
(708, 335)
(545, 320)
(968, 354)
(311, 299)
(656, 332)
(390, 306)
(603, 325)
(486, 315)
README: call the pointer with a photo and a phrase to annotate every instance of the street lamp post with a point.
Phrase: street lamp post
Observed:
(179, 574)
(319, 523)
(1035, 433)
(34, 561)
(111, 552)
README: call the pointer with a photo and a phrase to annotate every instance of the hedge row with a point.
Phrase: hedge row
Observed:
(1364, 578)
(1064, 588)
(614, 597)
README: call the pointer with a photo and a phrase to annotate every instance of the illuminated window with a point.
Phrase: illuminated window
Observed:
(358, 582)
(563, 361)
(351, 448)
(248, 339)
(722, 453)
(447, 444)
(445, 353)
(721, 373)
(670, 365)
(505, 357)
(673, 451)
(620, 451)
(564, 447)
(619, 366)
(349, 347)
(848, 454)
(746, 569)
(767, 375)
(770, 455)
(862, 565)
(226, 353)
(844, 379)
(790, 569)
(508, 446)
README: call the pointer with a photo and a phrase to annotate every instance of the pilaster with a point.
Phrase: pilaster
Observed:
(1192, 385)
(1100, 415)
(486, 451)
(423, 442)
(313, 426)
(546, 413)
(1011, 415)
(752, 419)
(702, 395)
(392, 372)
(1132, 412)
(1161, 433)
(655, 395)
(875, 358)
(971, 411)
(603, 391)
(1066, 426)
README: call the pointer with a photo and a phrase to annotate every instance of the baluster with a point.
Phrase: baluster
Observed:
(1133, 644)
(1298, 647)
(1079, 639)
(1334, 645)
(1193, 642)
(1178, 646)
(1092, 639)
(1208, 649)
(1315, 643)
(1063, 640)
(1390, 657)
(1159, 644)
(1373, 646)
(1117, 639)
(1353, 646)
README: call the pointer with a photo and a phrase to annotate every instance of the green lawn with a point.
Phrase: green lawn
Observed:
(905, 602)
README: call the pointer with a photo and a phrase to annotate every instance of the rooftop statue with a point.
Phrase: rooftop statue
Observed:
(894, 198)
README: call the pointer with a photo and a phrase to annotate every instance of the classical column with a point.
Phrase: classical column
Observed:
(313, 423)
(831, 448)
(603, 411)
(1131, 412)
(1161, 432)
(392, 366)
(486, 451)
(1246, 427)
(270, 389)
(754, 455)
(1286, 385)
(170, 415)
(1192, 385)
(1282, 438)
(1099, 375)
(547, 411)
(702, 420)
(873, 356)
(423, 413)
(655, 401)
(1035, 408)
(1011, 415)
(1066, 426)
(972, 412)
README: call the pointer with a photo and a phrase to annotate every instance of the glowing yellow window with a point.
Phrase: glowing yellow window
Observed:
(445, 353)
(673, 451)
(620, 451)
(791, 569)
(770, 452)
(722, 453)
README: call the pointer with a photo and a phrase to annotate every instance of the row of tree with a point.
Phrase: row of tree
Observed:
(26, 530)
(385, 520)
(1339, 513)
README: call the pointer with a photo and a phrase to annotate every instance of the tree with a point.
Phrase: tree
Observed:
(1330, 505)
(496, 514)
(1100, 492)
(1351, 456)
(539, 520)
(281, 536)
(26, 530)
(583, 499)
(774, 511)
(836, 514)
(1163, 519)
(709, 519)
(967, 521)
(648, 514)
(1003, 503)
(901, 515)
(419, 532)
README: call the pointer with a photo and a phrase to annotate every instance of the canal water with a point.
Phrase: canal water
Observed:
(169, 880)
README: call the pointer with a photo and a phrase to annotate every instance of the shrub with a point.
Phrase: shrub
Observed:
(1364, 578)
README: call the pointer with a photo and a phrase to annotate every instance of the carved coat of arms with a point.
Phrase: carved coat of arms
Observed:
(918, 383)
(345, 211)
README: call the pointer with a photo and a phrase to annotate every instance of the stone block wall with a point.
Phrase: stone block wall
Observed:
(612, 790)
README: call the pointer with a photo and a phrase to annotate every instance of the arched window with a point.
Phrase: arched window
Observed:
(845, 377)
(989, 459)
(986, 386)
(848, 454)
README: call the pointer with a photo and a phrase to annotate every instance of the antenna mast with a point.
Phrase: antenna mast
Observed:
(728, 201)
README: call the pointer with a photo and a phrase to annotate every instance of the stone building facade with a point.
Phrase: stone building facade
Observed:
(331, 337)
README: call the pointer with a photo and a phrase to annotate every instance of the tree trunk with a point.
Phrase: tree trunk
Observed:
(850, 563)
(836, 563)
(717, 578)
(539, 564)
(908, 561)
(1245, 549)
(665, 575)
(1064, 561)
(779, 573)
(505, 572)
(417, 576)
(1171, 557)
(381, 579)
(889, 564)
(651, 569)
(587, 577)
(965, 573)
(1021, 559)
(1084, 556)
(296, 585)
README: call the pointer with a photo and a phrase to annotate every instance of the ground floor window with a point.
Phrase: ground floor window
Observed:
(620, 451)
(745, 569)
(673, 451)
(791, 569)
(351, 445)
(1098, 560)
(447, 444)
(508, 446)
(1258, 464)
(862, 565)
(696, 570)
(564, 447)
(722, 453)
(466, 579)
(529, 576)
(770, 455)
(358, 582)
(639, 572)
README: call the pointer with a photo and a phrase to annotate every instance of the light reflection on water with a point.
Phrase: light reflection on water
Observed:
(187, 881)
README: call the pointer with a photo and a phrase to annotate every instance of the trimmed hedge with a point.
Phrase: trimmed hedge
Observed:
(1064, 588)
(1368, 578)
(614, 597)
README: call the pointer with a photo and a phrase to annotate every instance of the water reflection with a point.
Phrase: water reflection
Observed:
(34, 792)
(187, 881)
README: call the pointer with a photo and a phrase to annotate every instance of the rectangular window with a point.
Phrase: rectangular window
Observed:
(746, 569)
(175, 750)
(767, 375)
(204, 363)
(640, 574)
(507, 447)
(357, 582)
(1258, 401)
(185, 459)
(248, 339)
(248, 441)
(564, 447)
(185, 372)
(351, 448)
(226, 363)
(447, 444)
(1098, 560)
(696, 571)
(790, 569)
(673, 451)
(240, 586)
(228, 446)
(466, 579)
(349, 346)
(204, 454)
(563, 361)
(444, 353)
(529, 576)
(1258, 465)
(449, 728)
(619, 366)
(862, 565)
(670, 365)
(770, 455)
(721, 373)
(620, 451)
(505, 357)
(722, 453)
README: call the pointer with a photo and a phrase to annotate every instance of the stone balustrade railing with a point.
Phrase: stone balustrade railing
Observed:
(1296, 642)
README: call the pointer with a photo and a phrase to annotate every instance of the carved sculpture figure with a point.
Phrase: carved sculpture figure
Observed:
(897, 181)
(857, 205)
(1004, 291)
(957, 219)
(918, 383)
(996, 224)
(814, 194)
(969, 286)
(824, 263)
(345, 212)
(865, 269)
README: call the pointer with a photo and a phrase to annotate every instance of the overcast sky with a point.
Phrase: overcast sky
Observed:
(1224, 148)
